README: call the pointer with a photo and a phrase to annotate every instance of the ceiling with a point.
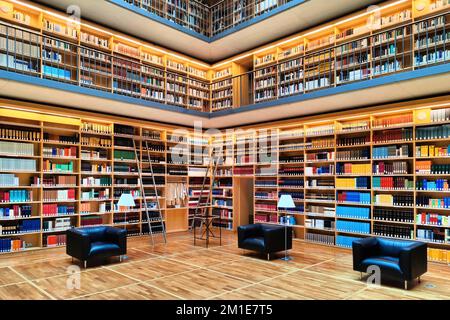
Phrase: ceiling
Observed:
(296, 19)
(429, 85)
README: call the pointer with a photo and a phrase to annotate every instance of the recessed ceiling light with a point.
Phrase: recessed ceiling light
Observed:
(420, 5)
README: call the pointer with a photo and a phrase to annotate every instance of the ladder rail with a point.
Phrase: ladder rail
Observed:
(138, 165)
(213, 165)
(156, 193)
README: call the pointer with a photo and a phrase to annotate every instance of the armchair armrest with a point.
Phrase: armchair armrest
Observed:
(413, 260)
(362, 249)
(278, 238)
(248, 231)
(117, 236)
(78, 244)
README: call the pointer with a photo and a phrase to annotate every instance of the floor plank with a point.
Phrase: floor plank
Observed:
(180, 270)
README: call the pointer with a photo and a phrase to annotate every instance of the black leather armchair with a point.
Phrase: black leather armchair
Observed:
(397, 259)
(264, 238)
(101, 242)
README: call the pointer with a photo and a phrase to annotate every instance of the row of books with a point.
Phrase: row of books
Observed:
(393, 135)
(435, 132)
(266, 207)
(396, 215)
(353, 212)
(52, 166)
(431, 202)
(406, 200)
(95, 141)
(55, 240)
(353, 226)
(95, 194)
(393, 231)
(352, 141)
(51, 210)
(319, 238)
(320, 224)
(390, 152)
(320, 156)
(345, 241)
(59, 195)
(289, 183)
(287, 220)
(322, 170)
(432, 151)
(91, 221)
(357, 197)
(321, 210)
(58, 224)
(15, 211)
(393, 121)
(434, 235)
(24, 226)
(19, 149)
(396, 167)
(96, 181)
(440, 115)
(352, 168)
(352, 183)
(59, 152)
(16, 196)
(19, 134)
(11, 164)
(438, 255)
(427, 167)
(320, 183)
(59, 181)
(291, 171)
(320, 143)
(433, 185)
(99, 167)
(356, 154)
(393, 183)
(13, 245)
(433, 219)
(272, 218)
(9, 180)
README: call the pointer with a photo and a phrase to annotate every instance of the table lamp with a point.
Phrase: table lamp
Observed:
(286, 202)
(126, 200)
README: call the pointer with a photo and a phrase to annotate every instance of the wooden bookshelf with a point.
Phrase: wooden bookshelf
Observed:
(322, 163)
(309, 160)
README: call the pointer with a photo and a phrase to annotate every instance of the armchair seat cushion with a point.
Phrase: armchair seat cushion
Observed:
(255, 244)
(104, 248)
(389, 266)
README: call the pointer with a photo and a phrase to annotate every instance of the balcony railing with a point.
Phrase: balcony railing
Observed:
(410, 46)
(379, 53)
(207, 20)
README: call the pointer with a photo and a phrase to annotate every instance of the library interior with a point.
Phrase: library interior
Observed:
(224, 150)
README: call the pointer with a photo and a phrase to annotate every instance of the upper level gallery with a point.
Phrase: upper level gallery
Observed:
(397, 41)
(209, 30)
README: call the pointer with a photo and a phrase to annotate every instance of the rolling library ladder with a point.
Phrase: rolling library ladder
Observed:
(158, 219)
(203, 216)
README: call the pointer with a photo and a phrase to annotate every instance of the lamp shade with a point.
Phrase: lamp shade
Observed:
(126, 200)
(286, 202)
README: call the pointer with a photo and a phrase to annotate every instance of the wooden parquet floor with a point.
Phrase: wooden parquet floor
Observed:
(179, 270)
